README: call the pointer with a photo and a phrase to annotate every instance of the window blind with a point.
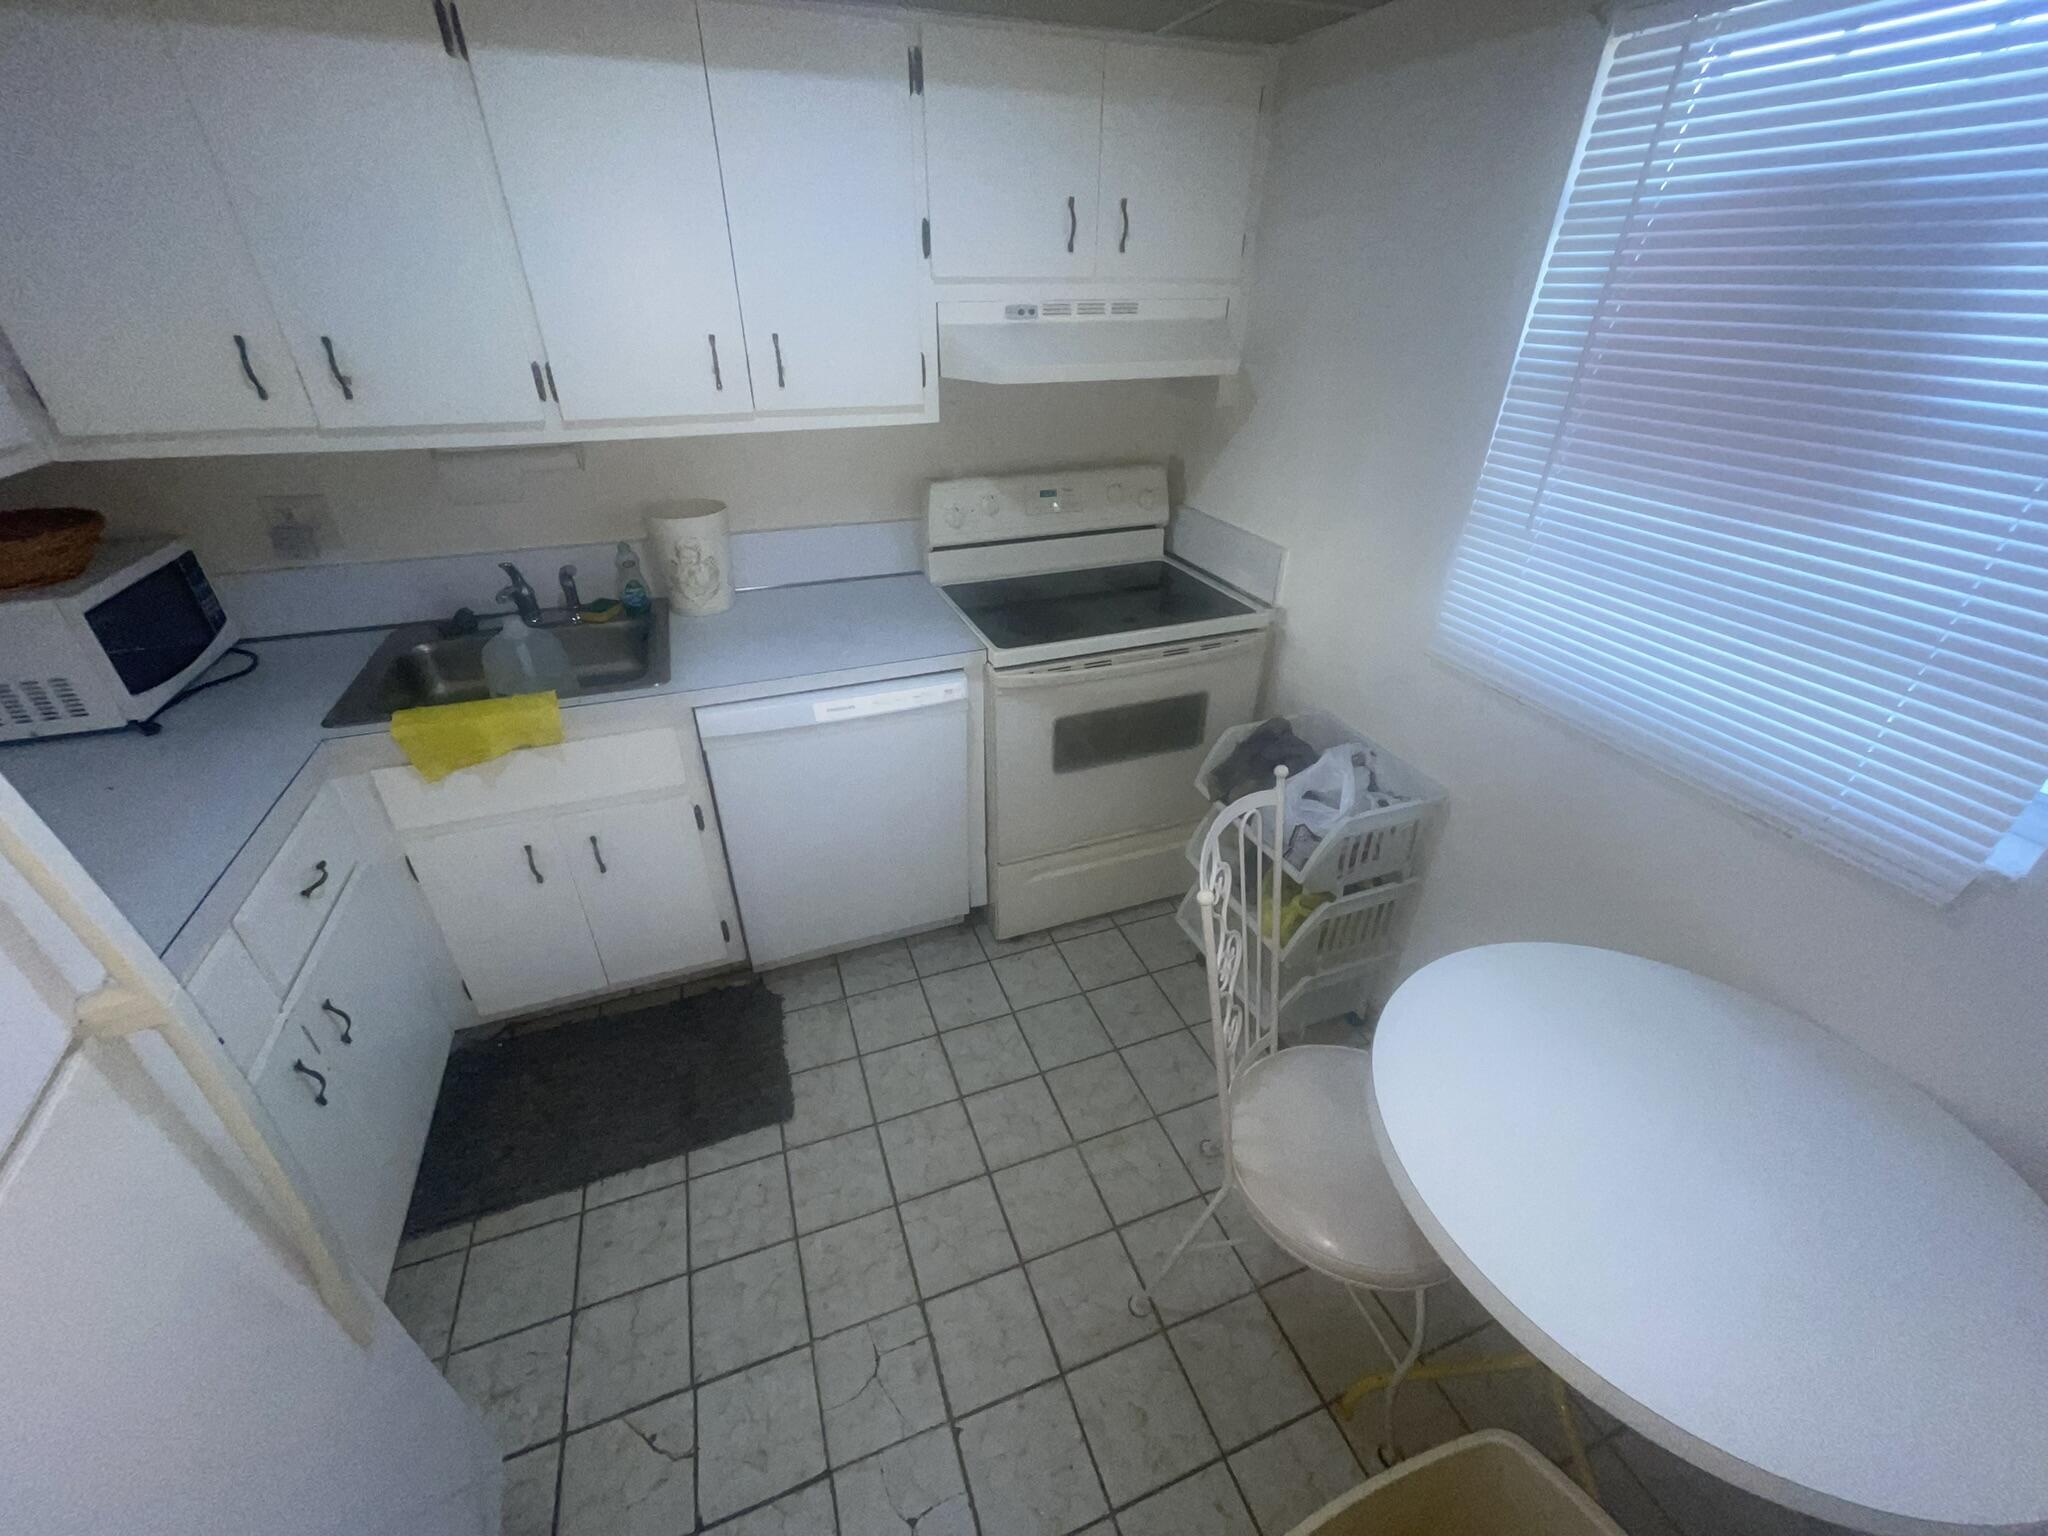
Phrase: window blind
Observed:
(1764, 501)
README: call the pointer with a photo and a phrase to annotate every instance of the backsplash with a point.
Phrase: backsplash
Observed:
(405, 505)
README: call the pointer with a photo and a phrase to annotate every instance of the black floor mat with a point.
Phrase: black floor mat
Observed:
(532, 1115)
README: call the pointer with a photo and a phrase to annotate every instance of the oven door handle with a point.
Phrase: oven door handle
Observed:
(1138, 665)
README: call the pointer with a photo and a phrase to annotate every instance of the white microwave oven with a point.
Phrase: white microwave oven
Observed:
(112, 645)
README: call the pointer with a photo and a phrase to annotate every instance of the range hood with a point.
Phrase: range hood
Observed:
(1056, 341)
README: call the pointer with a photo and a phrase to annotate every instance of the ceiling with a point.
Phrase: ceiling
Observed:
(1237, 21)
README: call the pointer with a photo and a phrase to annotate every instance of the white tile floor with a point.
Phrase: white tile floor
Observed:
(905, 1310)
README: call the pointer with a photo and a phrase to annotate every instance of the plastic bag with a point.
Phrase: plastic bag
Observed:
(1341, 783)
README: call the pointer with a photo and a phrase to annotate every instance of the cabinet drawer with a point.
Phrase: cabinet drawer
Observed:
(535, 778)
(284, 914)
(237, 999)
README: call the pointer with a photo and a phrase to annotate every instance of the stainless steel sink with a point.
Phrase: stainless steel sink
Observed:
(419, 664)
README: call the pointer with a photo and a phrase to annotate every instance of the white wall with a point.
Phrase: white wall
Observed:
(1418, 158)
(395, 505)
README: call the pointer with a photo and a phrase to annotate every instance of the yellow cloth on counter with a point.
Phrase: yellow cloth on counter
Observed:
(441, 738)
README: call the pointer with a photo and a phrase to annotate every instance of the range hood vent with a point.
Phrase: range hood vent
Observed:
(1054, 341)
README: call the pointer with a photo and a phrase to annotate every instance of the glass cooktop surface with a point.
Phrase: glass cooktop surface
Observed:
(1103, 603)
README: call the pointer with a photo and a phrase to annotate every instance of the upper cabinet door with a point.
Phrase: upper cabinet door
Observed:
(1179, 133)
(355, 155)
(124, 284)
(818, 142)
(1013, 151)
(600, 122)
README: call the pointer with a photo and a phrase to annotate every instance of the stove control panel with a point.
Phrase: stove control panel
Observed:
(995, 509)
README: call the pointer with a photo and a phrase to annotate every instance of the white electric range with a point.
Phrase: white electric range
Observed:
(1111, 669)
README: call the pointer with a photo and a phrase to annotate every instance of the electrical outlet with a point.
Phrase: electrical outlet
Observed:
(299, 526)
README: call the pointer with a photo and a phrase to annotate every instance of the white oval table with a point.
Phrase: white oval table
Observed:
(1731, 1229)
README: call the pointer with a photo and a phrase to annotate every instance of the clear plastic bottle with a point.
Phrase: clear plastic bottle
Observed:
(522, 659)
(632, 590)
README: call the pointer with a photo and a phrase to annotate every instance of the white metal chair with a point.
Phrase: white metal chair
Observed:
(1294, 1137)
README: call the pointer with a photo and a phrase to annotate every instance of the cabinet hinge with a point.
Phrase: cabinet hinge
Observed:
(698, 811)
(916, 70)
(447, 33)
(925, 235)
(409, 869)
(725, 930)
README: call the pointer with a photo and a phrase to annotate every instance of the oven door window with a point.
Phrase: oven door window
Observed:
(1154, 728)
(158, 626)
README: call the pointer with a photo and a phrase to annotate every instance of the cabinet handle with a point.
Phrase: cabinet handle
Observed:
(455, 15)
(717, 378)
(447, 37)
(540, 385)
(537, 877)
(1124, 206)
(318, 881)
(348, 1024)
(776, 338)
(319, 1081)
(348, 385)
(1073, 224)
(598, 854)
(248, 371)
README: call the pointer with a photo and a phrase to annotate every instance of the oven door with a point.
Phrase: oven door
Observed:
(1098, 747)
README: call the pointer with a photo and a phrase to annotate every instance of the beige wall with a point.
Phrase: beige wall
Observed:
(1418, 158)
(394, 505)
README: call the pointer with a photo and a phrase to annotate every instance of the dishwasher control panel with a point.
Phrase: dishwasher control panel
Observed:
(887, 701)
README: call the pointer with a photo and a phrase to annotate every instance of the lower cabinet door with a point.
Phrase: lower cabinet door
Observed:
(311, 1096)
(505, 898)
(647, 887)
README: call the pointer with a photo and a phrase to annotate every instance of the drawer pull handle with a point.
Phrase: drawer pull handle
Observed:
(1073, 225)
(538, 878)
(319, 1082)
(348, 1024)
(598, 854)
(318, 880)
(249, 372)
(346, 384)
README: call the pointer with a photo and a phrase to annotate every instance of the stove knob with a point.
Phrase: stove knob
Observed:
(1114, 493)
(955, 517)
(990, 505)
(1148, 499)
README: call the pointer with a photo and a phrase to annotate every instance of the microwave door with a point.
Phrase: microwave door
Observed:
(158, 631)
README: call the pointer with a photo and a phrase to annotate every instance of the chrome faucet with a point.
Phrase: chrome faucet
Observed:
(519, 595)
(571, 599)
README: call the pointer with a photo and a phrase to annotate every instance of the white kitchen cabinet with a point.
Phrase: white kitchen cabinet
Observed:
(817, 140)
(356, 158)
(647, 886)
(355, 1066)
(125, 287)
(1179, 139)
(1013, 151)
(293, 898)
(505, 897)
(600, 123)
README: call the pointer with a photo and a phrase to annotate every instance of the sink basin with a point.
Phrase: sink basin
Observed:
(419, 665)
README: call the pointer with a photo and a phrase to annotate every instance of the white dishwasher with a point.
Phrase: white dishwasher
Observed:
(844, 812)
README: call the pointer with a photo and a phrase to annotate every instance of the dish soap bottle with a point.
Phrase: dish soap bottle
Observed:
(632, 590)
(522, 659)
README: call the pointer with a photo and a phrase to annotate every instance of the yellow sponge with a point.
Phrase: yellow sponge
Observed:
(441, 738)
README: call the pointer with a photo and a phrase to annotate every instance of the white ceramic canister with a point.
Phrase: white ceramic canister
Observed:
(691, 546)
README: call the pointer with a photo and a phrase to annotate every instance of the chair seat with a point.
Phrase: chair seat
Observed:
(1308, 1169)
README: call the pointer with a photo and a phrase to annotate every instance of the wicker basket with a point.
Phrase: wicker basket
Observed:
(47, 544)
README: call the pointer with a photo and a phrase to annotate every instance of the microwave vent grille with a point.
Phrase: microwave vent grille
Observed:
(30, 701)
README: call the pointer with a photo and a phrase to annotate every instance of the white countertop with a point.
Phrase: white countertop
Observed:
(157, 820)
